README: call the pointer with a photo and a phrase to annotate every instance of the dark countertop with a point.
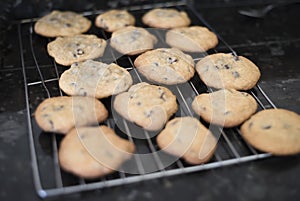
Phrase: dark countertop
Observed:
(273, 43)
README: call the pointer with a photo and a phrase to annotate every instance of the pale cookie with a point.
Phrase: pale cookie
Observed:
(96, 79)
(62, 23)
(166, 18)
(61, 114)
(148, 106)
(228, 71)
(273, 130)
(114, 20)
(71, 49)
(186, 137)
(132, 40)
(191, 39)
(91, 152)
(166, 66)
(226, 107)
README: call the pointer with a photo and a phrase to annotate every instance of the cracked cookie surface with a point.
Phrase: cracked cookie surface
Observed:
(166, 66)
(228, 71)
(62, 23)
(95, 79)
(273, 130)
(61, 114)
(70, 49)
(149, 106)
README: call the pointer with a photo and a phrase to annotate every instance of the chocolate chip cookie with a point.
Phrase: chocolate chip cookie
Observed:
(91, 152)
(114, 20)
(62, 23)
(61, 114)
(132, 40)
(226, 107)
(166, 18)
(191, 39)
(228, 71)
(70, 49)
(273, 130)
(166, 66)
(96, 79)
(149, 106)
(186, 137)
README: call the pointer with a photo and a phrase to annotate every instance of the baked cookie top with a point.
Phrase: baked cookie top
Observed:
(191, 39)
(166, 66)
(132, 40)
(96, 79)
(62, 23)
(166, 18)
(186, 137)
(149, 106)
(228, 71)
(273, 130)
(91, 152)
(70, 49)
(114, 20)
(61, 114)
(226, 107)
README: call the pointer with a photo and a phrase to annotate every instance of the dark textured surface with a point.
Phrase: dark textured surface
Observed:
(272, 43)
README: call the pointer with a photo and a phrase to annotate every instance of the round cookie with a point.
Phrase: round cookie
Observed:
(228, 71)
(273, 130)
(132, 40)
(70, 49)
(62, 23)
(148, 106)
(91, 152)
(191, 39)
(61, 114)
(186, 137)
(166, 18)
(166, 66)
(96, 79)
(114, 20)
(226, 107)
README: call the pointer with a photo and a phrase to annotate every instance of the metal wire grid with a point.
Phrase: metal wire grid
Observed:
(232, 149)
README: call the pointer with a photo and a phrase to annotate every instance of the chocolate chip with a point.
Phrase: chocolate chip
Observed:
(172, 60)
(226, 66)
(266, 127)
(203, 108)
(235, 74)
(68, 25)
(162, 96)
(236, 58)
(51, 124)
(138, 103)
(155, 64)
(217, 67)
(79, 52)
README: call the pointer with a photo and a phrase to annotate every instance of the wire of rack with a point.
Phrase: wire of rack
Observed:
(41, 75)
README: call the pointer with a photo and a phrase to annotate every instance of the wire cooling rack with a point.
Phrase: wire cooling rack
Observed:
(41, 75)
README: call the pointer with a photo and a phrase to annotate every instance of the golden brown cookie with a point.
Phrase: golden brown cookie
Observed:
(166, 66)
(61, 114)
(226, 107)
(228, 71)
(114, 20)
(91, 152)
(166, 18)
(96, 79)
(132, 40)
(71, 49)
(149, 106)
(62, 23)
(273, 130)
(186, 137)
(191, 39)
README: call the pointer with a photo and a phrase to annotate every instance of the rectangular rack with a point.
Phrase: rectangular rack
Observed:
(41, 75)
